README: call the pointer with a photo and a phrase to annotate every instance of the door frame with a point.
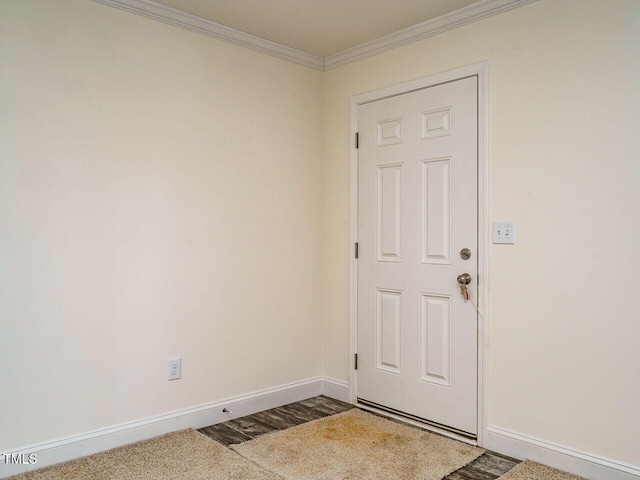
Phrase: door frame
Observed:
(481, 70)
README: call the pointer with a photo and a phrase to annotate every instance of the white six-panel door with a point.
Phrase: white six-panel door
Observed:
(417, 209)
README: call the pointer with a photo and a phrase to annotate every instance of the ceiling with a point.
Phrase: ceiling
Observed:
(320, 34)
(318, 27)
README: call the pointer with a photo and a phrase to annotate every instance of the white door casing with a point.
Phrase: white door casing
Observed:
(417, 208)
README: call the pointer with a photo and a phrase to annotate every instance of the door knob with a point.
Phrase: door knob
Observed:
(464, 279)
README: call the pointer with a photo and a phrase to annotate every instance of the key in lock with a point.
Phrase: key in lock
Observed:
(464, 279)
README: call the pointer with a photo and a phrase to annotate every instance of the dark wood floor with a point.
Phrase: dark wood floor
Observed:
(488, 466)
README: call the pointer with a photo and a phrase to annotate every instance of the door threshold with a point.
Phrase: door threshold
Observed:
(414, 421)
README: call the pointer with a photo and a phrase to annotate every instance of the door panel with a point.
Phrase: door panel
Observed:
(388, 331)
(435, 339)
(417, 208)
(389, 194)
(435, 216)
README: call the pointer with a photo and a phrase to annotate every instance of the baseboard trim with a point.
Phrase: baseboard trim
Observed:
(574, 461)
(76, 446)
(336, 389)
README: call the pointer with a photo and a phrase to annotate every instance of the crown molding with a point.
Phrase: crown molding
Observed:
(457, 18)
(196, 24)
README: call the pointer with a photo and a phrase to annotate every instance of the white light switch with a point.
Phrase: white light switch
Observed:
(504, 232)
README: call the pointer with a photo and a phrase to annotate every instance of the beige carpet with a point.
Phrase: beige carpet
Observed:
(185, 455)
(357, 445)
(528, 470)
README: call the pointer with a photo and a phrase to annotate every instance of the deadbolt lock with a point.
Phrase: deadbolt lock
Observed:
(465, 254)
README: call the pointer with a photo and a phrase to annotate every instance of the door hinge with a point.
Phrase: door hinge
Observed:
(357, 140)
(356, 250)
(355, 362)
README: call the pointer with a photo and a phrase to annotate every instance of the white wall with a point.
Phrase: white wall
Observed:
(564, 109)
(159, 196)
(163, 193)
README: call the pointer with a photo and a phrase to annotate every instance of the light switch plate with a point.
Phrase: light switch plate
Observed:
(504, 232)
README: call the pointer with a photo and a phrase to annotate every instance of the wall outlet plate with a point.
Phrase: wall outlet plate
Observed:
(504, 232)
(175, 368)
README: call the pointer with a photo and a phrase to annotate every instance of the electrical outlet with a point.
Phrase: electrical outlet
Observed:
(504, 232)
(175, 368)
